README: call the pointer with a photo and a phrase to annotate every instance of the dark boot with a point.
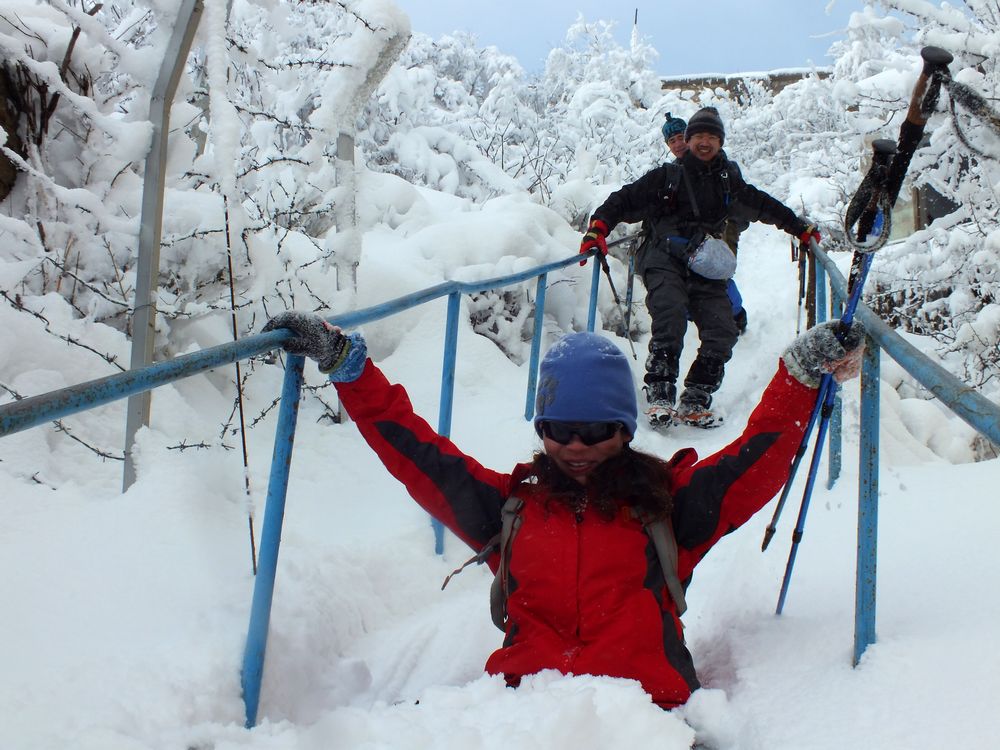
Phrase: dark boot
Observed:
(705, 375)
(703, 379)
(662, 364)
(694, 408)
(660, 393)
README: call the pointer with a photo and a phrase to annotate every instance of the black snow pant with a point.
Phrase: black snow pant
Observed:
(672, 292)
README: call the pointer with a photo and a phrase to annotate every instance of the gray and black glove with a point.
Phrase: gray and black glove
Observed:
(818, 351)
(339, 356)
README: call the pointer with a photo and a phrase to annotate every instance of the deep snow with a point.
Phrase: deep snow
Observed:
(125, 614)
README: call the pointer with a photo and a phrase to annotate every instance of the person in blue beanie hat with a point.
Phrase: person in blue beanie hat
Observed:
(586, 378)
(673, 135)
(592, 542)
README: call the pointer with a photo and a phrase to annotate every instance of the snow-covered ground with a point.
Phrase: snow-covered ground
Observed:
(125, 614)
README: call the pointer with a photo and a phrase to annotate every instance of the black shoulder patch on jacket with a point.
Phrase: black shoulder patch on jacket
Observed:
(698, 504)
(475, 504)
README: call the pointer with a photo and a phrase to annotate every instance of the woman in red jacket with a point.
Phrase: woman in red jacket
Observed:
(587, 593)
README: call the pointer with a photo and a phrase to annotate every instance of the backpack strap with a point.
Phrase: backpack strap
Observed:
(510, 522)
(705, 227)
(673, 174)
(501, 540)
(724, 178)
(661, 532)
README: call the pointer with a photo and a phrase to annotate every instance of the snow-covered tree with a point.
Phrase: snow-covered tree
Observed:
(943, 281)
(255, 191)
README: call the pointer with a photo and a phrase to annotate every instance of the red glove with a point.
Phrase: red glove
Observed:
(595, 237)
(809, 233)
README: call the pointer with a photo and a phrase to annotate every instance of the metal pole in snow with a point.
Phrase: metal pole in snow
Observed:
(270, 538)
(151, 224)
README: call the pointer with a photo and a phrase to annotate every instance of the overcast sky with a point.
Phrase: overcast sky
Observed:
(723, 36)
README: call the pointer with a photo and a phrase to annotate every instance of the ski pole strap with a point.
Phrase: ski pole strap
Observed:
(868, 220)
(662, 535)
(510, 522)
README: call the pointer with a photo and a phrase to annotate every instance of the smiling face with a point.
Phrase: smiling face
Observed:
(677, 145)
(705, 145)
(577, 460)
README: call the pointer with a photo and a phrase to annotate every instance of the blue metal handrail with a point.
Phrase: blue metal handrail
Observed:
(33, 411)
(975, 409)
(46, 407)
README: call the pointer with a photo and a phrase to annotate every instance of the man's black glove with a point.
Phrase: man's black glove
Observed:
(818, 351)
(318, 340)
(805, 230)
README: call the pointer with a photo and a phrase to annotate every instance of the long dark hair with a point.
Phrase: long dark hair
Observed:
(631, 479)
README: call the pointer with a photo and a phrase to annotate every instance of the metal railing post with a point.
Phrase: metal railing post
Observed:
(865, 589)
(270, 539)
(835, 441)
(595, 285)
(536, 347)
(820, 294)
(448, 365)
(447, 392)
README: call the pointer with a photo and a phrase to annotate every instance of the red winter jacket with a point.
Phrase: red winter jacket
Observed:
(587, 596)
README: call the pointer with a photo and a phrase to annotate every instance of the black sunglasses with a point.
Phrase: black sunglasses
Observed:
(590, 433)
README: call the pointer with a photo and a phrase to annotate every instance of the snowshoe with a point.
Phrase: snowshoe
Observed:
(660, 395)
(661, 415)
(697, 416)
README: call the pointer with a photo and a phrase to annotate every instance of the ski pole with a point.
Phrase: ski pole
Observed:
(937, 60)
(869, 214)
(614, 293)
(825, 401)
(799, 255)
(871, 191)
(873, 199)
(922, 103)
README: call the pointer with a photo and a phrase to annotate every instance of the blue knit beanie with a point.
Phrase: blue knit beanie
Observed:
(586, 378)
(673, 126)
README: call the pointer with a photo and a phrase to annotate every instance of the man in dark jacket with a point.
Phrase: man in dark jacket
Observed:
(686, 205)
(673, 135)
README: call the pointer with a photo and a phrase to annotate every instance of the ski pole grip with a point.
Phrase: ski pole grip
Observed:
(928, 88)
(935, 58)
(883, 150)
(843, 327)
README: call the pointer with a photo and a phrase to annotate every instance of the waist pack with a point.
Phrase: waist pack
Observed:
(713, 259)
